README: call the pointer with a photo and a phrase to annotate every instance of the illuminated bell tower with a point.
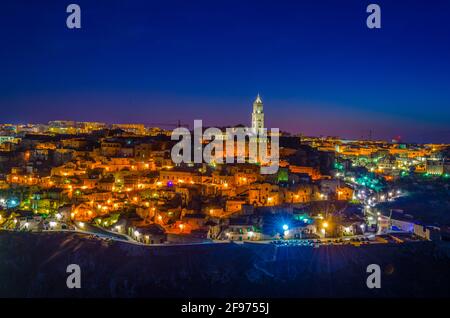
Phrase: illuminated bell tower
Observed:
(258, 114)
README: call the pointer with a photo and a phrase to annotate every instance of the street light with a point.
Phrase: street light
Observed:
(285, 227)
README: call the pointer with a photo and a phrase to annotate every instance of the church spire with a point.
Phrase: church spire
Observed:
(258, 99)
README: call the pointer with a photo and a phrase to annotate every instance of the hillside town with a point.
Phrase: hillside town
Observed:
(118, 181)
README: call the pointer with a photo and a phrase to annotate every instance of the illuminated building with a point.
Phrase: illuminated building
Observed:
(313, 172)
(138, 129)
(258, 114)
(344, 193)
(62, 127)
(178, 176)
(91, 126)
(436, 167)
(9, 139)
(264, 194)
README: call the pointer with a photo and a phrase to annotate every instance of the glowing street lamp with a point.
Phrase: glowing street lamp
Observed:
(285, 227)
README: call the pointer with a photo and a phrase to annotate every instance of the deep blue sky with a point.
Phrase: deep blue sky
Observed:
(319, 69)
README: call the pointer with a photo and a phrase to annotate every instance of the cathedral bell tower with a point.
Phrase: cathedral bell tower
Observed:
(258, 114)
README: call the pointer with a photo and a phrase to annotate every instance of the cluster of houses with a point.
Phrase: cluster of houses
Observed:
(126, 182)
(399, 221)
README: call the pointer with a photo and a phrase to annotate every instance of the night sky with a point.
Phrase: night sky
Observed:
(318, 68)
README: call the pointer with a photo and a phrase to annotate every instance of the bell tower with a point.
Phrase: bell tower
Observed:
(258, 114)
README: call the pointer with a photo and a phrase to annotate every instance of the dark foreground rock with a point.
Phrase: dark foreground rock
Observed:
(34, 265)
